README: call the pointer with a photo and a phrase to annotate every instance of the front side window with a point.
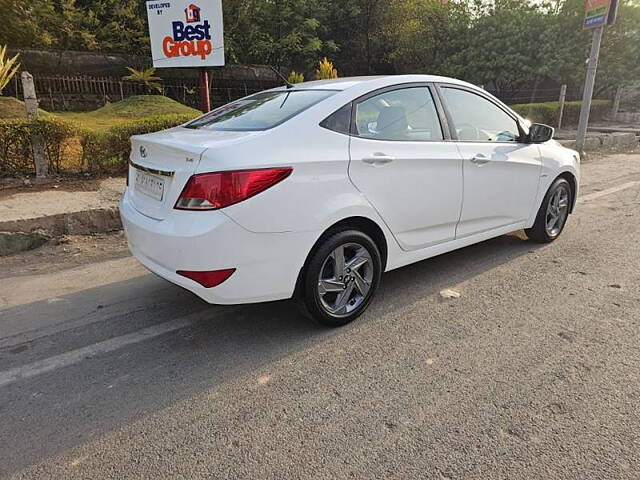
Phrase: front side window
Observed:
(260, 111)
(405, 114)
(476, 119)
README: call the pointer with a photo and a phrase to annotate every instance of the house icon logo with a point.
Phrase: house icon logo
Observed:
(192, 12)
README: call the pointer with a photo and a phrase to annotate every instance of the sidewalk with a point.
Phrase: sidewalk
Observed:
(28, 218)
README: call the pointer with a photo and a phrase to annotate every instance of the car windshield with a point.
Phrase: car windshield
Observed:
(260, 111)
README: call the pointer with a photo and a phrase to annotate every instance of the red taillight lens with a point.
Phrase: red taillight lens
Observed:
(208, 279)
(211, 191)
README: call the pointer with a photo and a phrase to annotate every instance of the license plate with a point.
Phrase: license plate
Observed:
(150, 185)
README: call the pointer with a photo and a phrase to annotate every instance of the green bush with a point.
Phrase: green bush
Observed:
(549, 112)
(109, 150)
(16, 153)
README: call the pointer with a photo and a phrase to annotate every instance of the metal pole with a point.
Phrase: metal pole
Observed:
(205, 99)
(563, 97)
(588, 89)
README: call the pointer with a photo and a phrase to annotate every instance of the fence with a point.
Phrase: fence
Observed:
(84, 93)
(536, 95)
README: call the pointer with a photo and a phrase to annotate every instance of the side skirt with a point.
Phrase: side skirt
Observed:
(406, 258)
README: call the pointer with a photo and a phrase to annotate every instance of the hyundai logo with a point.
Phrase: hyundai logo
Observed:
(143, 151)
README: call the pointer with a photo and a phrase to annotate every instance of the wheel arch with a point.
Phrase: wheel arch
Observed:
(363, 224)
(573, 183)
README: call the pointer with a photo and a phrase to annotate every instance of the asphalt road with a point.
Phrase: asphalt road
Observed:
(534, 372)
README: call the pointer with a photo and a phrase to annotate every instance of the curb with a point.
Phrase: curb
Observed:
(25, 234)
(614, 140)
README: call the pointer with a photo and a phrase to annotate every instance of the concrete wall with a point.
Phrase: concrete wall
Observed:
(48, 63)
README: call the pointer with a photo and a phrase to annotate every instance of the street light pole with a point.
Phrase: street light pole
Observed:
(588, 89)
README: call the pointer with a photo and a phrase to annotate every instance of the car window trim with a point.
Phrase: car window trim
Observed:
(440, 85)
(401, 86)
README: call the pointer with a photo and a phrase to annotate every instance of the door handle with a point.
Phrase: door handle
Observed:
(480, 159)
(378, 159)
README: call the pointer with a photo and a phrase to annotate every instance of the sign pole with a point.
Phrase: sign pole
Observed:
(588, 89)
(205, 98)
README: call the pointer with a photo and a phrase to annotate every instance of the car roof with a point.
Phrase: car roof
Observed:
(346, 83)
(357, 86)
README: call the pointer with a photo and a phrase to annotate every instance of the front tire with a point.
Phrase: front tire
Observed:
(341, 277)
(553, 214)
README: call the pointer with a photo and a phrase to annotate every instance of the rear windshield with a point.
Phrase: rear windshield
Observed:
(260, 111)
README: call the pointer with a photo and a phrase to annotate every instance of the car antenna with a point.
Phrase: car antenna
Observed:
(284, 79)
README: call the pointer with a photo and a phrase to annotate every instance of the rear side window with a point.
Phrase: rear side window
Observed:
(406, 114)
(260, 111)
(339, 121)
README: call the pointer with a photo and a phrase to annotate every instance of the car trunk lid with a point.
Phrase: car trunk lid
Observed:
(162, 163)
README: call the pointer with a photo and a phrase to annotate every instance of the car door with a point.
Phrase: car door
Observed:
(402, 161)
(501, 171)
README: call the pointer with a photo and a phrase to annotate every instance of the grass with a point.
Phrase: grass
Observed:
(11, 108)
(140, 106)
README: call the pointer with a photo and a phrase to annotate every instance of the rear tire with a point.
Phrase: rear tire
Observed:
(341, 277)
(553, 214)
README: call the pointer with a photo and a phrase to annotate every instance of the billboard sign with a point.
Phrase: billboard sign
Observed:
(596, 13)
(186, 34)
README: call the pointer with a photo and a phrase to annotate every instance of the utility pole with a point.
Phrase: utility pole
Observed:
(598, 14)
(588, 88)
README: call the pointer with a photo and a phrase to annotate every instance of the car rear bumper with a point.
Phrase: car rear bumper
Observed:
(267, 264)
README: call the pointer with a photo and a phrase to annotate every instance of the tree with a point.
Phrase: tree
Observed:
(276, 32)
(506, 44)
(620, 52)
(502, 46)
(357, 28)
(426, 35)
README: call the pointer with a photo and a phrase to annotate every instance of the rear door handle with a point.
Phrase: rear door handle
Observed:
(378, 159)
(480, 159)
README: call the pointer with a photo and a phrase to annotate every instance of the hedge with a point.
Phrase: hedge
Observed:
(16, 153)
(109, 150)
(549, 112)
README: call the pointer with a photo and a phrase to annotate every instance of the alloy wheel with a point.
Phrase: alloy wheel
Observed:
(345, 279)
(557, 211)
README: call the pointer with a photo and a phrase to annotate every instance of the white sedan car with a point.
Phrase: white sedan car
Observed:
(313, 191)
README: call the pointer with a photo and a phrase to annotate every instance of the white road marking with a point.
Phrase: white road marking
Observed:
(608, 191)
(75, 356)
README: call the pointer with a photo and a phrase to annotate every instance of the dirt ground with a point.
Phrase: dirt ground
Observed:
(65, 253)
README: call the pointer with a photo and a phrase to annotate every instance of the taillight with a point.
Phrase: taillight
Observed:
(208, 279)
(211, 191)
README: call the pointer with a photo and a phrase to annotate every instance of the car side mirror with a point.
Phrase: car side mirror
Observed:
(540, 133)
